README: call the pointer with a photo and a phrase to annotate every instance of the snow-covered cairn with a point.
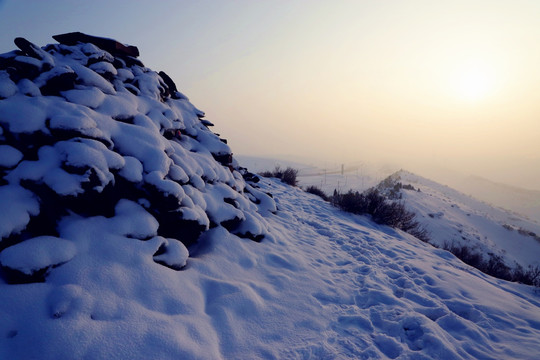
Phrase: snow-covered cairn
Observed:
(95, 148)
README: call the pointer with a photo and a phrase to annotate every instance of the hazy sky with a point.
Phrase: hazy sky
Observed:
(446, 84)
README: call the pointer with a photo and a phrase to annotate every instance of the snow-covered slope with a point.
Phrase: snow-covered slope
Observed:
(100, 195)
(526, 202)
(323, 285)
(453, 218)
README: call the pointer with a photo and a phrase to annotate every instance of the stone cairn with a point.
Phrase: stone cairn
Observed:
(85, 125)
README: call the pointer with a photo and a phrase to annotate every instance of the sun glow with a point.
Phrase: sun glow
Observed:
(474, 82)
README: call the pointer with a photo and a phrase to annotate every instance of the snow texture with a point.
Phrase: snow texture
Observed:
(37, 253)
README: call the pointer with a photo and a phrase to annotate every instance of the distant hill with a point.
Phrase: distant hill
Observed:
(456, 219)
(523, 201)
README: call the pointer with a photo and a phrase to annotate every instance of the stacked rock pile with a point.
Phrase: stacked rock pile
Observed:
(89, 135)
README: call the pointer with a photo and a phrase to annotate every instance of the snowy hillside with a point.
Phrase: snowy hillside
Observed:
(127, 233)
(324, 285)
(455, 219)
(523, 201)
(452, 218)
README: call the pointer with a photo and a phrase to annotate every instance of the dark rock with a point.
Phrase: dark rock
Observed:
(132, 89)
(109, 45)
(64, 50)
(94, 59)
(200, 114)
(231, 201)
(249, 235)
(223, 159)
(60, 82)
(160, 201)
(52, 208)
(32, 50)
(125, 119)
(103, 71)
(164, 91)
(172, 225)
(231, 224)
(3, 181)
(13, 276)
(60, 134)
(18, 68)
(168, 81)
(29, 143)
(51, 48)
(130, 61)
(172, 263)
(119, 63)
(250, 176)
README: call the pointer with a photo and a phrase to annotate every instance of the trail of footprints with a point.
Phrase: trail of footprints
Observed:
(397, 307)
(384, 307)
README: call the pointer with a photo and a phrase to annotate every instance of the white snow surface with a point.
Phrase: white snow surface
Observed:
(37, 253)
(16, 207)
(325, 285)
(454, 218)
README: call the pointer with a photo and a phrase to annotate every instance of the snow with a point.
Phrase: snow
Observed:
(16, 207)
(37, 253)
(22, 114)
(7, 87)
(133, 170)
(9, 156)
(92, 97)
(325, 285)
(103, 67)
(175, 255)
(27, 87)
(90, 78)
(454, 218)
(451, 217)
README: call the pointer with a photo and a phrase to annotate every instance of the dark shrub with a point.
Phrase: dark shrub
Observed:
(495, 266)
(312, 189)
(465, 254)
(288, 176)
(529, 277)
(382, 211)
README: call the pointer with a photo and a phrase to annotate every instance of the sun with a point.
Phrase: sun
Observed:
(474, 81)
(474, 85)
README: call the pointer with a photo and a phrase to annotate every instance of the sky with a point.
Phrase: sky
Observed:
(430, 85)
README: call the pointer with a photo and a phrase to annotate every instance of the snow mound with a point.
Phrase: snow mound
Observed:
(87, 131)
